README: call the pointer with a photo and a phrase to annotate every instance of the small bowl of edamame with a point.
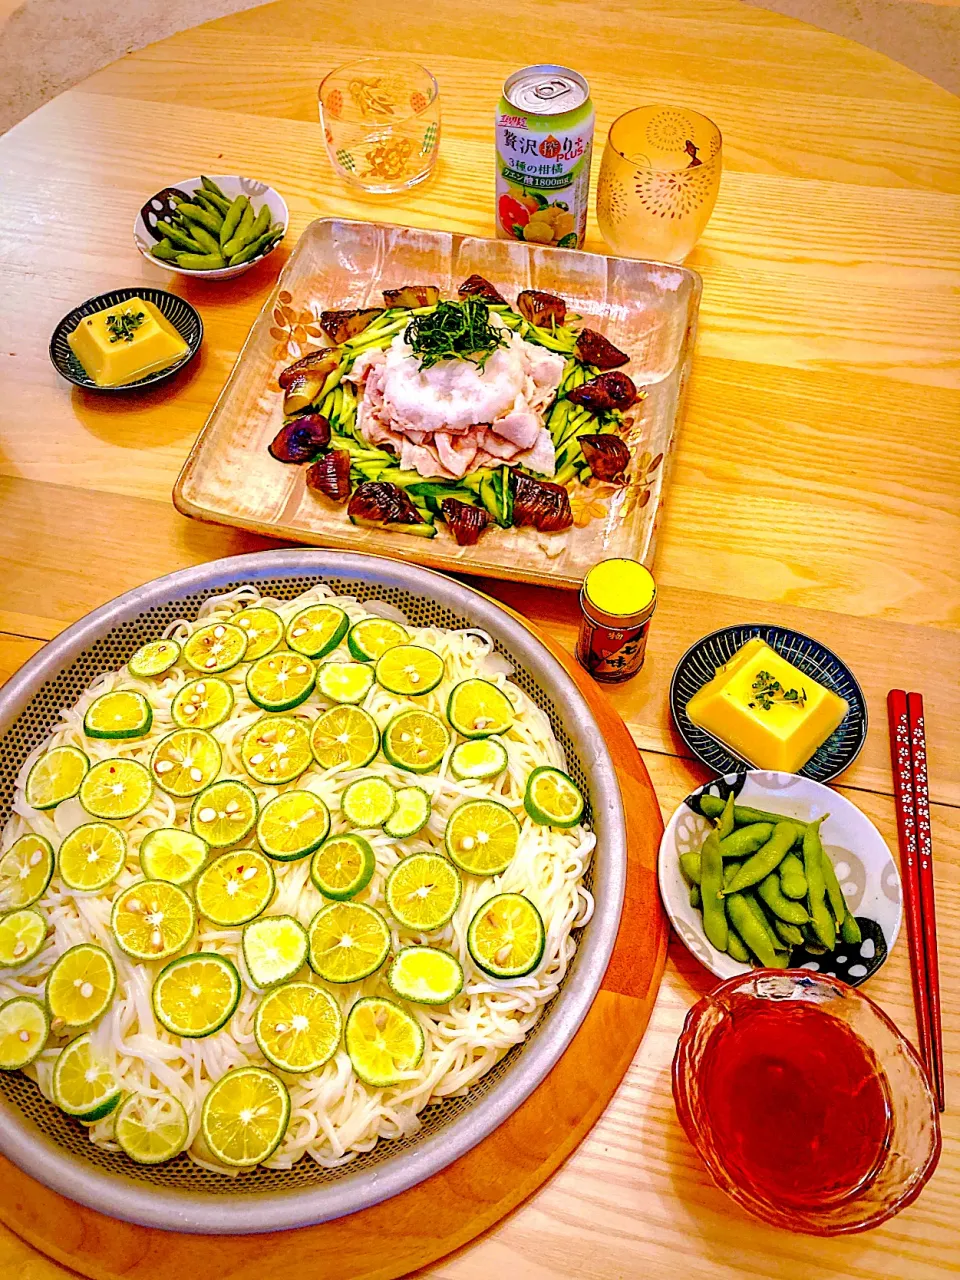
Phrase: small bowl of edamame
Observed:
(801, 878)
(211, 227)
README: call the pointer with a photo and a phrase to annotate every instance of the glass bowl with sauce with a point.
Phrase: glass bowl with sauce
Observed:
(805, 1102)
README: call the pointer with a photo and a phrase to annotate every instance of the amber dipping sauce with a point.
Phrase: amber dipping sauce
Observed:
(798, 1104)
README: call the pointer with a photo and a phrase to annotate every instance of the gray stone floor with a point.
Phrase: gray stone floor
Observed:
(48, 45)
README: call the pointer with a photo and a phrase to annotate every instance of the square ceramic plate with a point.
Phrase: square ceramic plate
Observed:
(647, 309)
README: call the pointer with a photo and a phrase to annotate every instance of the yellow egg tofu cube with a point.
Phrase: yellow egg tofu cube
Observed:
(125, 342)
(766, 710)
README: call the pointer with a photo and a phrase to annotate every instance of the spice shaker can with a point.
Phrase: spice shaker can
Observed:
(617, 601)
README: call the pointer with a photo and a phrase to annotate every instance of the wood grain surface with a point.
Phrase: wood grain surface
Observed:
(815, 483)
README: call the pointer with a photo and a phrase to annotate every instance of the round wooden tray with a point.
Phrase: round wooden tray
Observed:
(443, 1213)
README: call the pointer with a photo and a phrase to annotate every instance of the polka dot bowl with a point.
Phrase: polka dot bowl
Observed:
(865, 868)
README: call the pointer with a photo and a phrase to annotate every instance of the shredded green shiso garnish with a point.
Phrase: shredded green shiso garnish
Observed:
(454, 330)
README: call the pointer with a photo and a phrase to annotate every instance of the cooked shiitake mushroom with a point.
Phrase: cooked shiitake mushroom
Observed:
(607, 456)
(593, 348)
(330, 475)
(540, 503)
(316, 363)
(412, 295)
(376, 502)
(341, 325)
(479, 287)
(301, 440)
(608, 391)
(541, 308)
(466, 521)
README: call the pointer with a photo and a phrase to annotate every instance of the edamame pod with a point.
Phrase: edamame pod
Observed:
(694, 895)
(785, 908)
(690, 867)
(241, 237)
(767, 858)
(219, 201)
(811, 942)
(850, 931)
(711, 881)
(743, 814)
(206, 241)
(730, 870)
(179, 237)
(200, 217)
(835, 899)
(736, 949)
(788, 933)
(254, 248)
(231, 219)
(205, 201)
(208, 184)
(755, 935)
(726, 824)
(746, 840)
(165, 251)
(261, 223)
(200, 261)
(792, 880)
(821, 920)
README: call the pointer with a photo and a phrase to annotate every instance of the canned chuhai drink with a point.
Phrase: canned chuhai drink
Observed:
(544, 139)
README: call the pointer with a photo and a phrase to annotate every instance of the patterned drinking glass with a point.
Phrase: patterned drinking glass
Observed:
(381, 122)
(659, 180)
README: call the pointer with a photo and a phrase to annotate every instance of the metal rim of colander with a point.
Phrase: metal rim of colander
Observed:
(24, 1143)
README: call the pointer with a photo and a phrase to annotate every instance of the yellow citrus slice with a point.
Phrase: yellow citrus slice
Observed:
(344, 682)
(24, 1028)
(482, 837)
(152, 1130)
(292, 825)
(423, 891)
(409, 669)
(416, 740)
(116, 789)
(477, 709)
(371, 637)
(215, 648)
(317, 630)
(56, 777)
(298, 1027)
(411, 814)
(195, 995)
(506, 936)
(235, 888)
(276, 749)
(153, 659)
(170, 853)
(425, 975)
(22, 935)
(80, 986)
(281, 680)
(479, 758)
(552, 798)
(264, 630)
(385, 1043)
(92, 856)
(344, 736)
(342, 866)
(368, 802)
(122, 713)
(245, 1116)
(224, 813)
(274, 949)
(186, 761)
(25, 871)
(348, 941)
(84, 1084)
(202, 704)
(152, 919)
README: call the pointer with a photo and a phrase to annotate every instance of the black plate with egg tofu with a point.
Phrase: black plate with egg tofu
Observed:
(181, 315)
(699, 665)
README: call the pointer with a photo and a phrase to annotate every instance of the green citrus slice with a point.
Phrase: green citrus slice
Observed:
(370, 638)
(84, 1084)
(425, 975)
(55, 777)
(411, 814)
(24, 1028)
(186, 761)
(80, 986)
(423, 891)
(152, 1130)
(368, 802)
(276, 749)
(409, 669)
(416, 740)
(215, 648)
(195, 995)
(153, 659)
(383, 1040)
(170, 853)
(348, 941)
(235, 888)
(116, 789)
(245, 1116)
(224, 813)
(92, 856)
(298, 1027)
(482, 837)
(345, 682)
(123, 713)
(344, 736)
(202, 704)
(317, 630)
(152, 919)
(264, 630)
(342, 866)
(281, 680)
(552, 798)
(25, 871)
(22, 935)
(477, 708)
(292, 825)
(479, 758)
(506, 936)
(274, 949)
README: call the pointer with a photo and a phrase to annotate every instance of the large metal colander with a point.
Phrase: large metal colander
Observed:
(180, 1196)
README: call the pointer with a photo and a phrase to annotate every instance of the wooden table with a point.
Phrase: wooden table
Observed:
(816, 481)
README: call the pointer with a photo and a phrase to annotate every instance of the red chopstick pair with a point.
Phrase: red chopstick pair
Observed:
(908, 748)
